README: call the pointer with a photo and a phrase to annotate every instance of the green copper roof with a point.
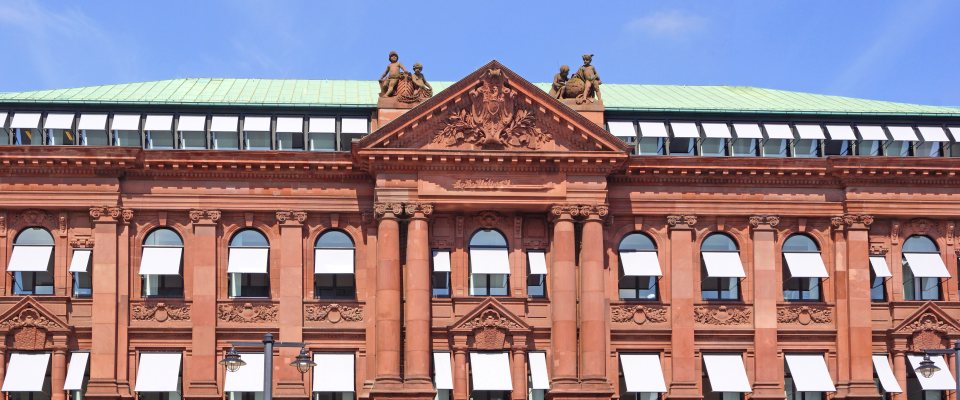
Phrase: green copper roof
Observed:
(363, 94)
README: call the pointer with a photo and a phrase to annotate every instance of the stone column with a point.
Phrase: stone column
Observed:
(417, 348)
(593, 303)
(388, 298)
(518, 372)
(460, 372)
(900, 372)
(289, 381)
(58, 369)
(200, 373)
(859, 363)
(563, 307)
(103, 356)
(685, 379)
(768, 371)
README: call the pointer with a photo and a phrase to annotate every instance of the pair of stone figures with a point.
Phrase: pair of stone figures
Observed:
(397, 82)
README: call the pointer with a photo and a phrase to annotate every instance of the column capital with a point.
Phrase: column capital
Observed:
(390, 210)
(205, 217)
(418, 210)
(681, 221)
(563, 212)
(291, 217)
(107, 214)
(852, 221)
(763, 222)
(586, 211)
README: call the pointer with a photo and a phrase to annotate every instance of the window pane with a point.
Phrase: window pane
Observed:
(346, 140)
(651, 146)
(334, 240)
(919, 244)
(498, 284)
(628, 286)
(896, 148)
(62, 137)
(648, 287)
(4, 136)
(95, 138)
(128, 138)
(775, 147)
(249, 238)
(441, 284)
(718, 242)
(536, 285)
(637, 242)
(34, 236)
(710, 288)
(161, 139)
(28, 137)
(488, 238)
(714, 147)
(194, 140)
(323, 141)
(163, 237)
(806, 148)
(745, 147)
(800, 244)
(289, 141)
(878, 289)
(258, 140)
(730, 288)
(82, 284)
(478, 284)
(929, 149)
(837, 147)
(931, 288)
(226, 140)
(869, 148)
(682, 146)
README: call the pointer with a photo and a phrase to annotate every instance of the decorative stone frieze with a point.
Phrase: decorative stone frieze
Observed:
(332, 313)
(681, 221)
(34, 217)
(771, 220)
(247, 312)
(160, 311)
(805, 315)
(204, 216)
(639, 314)
(105, 213)
(28, 325)
(722, 315)
(284, 217)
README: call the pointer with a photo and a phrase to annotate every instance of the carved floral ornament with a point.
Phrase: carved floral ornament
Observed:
(30, 328)
(84, 242)
(490, 330)
(805, 315)
(116, 213)
(681, 221)
(851, 219)
(285, 216)
(722, 315)
(333, 313)
(211, 216)
(247, 313)
(639, 314)
(160, 312)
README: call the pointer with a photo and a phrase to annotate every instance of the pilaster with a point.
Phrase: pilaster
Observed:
(200, 372)
(685, 379)
(417, 284)
(768, 367)
(290, 383)
(594, 332)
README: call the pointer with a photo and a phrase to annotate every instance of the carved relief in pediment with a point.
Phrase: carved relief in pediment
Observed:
(30, 326)
(928, 328)
(491, 327)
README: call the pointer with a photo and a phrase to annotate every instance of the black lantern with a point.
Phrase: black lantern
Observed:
(927, 367)
(303, 361)
(232, 360)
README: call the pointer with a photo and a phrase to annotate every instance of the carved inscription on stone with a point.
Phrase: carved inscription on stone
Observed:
(804, 315)
(722, 315)
(332, 313)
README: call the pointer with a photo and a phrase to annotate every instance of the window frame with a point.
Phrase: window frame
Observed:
(487, 288)
(804, 286)
(247, 278)
(641, 291)
(340, 288)
(19, 277)
(732, 284)
(166, 284)
(911, 282)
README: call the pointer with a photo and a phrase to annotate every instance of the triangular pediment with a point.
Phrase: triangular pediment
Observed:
(490, 313)
(492, 109)
(929, 317)
(28, 312)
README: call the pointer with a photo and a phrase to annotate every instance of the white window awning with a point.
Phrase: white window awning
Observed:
(192, 123)
(248, 260)
(224, 123)
(942, 380)
(25, 120)
(652, 129)
(158, 123)
(880, 268)
(778, 131)
(926, 265)
(249, 378)
(748, 131)
(955, 132)
(933, 134)
(810, 373)
(158, 372)
(622, 128)
(354, 125)
(538, 262)
(26, 372)
(841, 132)
(256, 124)
(30, 258)
(81, 260)
(642, 373)
(727, 373)
(441, 261)
(59, 121)
(490, 371)
(161, 261)
(887, 380)
(808, 131)
(716, 130)
(3, 119)
(640, 263)
(75, 371)
(323, 125)
(723, 264)
(902, 133)
(805, 265)
(685, 130)
(871, 132)
(489, 261)
(126, 122)
(333, 373)
(442, 370)
(539, 378)
(289, 124)
(333, 261)
(96, 122)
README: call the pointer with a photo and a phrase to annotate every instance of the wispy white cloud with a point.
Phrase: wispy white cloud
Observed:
(667, 23)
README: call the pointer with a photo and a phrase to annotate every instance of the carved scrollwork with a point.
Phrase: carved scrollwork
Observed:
(413, 208)
(490, 318)
(29, 317)
(34, 217)
(204, 215)
(580, 210)
(124, 215)
(83, 242)
(332, 313)
(290, 216)
(771, 220)
(381, 209)
(681, 221)
(851, 219)
(639, 314)
(722, 315)
(488, 219)
(481, 183)
(247, 313)
(805, 315)
(160, 311)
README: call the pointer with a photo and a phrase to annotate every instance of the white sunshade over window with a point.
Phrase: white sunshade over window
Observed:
(158, 372)
(443, 372)
(640, 263)
(539, 378)
(652, 129)
(26, 372)
(841, 132)
(192, 123)
(59, 121)
(248, 260)
(871, 132)
(93, 122)
(30, 258)
(805, 265)
(323, 125)
(81, 260)
(246, 379)
(880, 268)
(622, 128)
(723, 264)
(289, 124)
(642, 373)
(76, 370)
(810, 373)
(727, 373)
(748, 131)
(490, 371)
(3, 118)
(161, 261)
(333, 261)
(808, 131)
(885, 374)
(955, 131)
(334, 372)
(902, 133)
(126, 122)
(224, 123)
(716, 130)
(489, 261)
(933, 134)
(158, 123)
(25, 120)
(256, 124)
(353, 125)
(538, 262)
(942, 380)
(685, 129)
(778, 131)
(441, 260)
(926, 265)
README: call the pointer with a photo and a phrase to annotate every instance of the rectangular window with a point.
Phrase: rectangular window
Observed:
(898, 148)
(82, 284)
(350, 129)
(793, 394)
(226, 140)
(837, 148)
(5, 136)
(162, 285)
(775, 147)
(920, 289)
(62, 137)
(489, 284)
(95, 137)
(745, 148)
(806, 148)
(715, 147)
(441, 283)
(651, 146)
(536, 273)
(795, 289)
(870, 148)
(638, 288)
(289, 141)
(334, 286)
(536, 285)
(28, 137)
(248, 285)
(322, 134)
(683, 146)
(193, 140)
(161, 140)
(878, 288)
(32, 283)
(257, 140)
(720, 288)
(929, 149)
(127, 138)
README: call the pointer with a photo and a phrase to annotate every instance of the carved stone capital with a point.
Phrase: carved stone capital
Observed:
(205, 216)
(387, 209)
(563, 212)
(111, 214)
(579, 211)
(412, 209)
(681, 221)
(852, 221)
(84, 242)
(291, 217)
(771, 220)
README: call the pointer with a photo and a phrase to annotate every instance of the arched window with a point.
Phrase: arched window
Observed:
(639, 268)
(32, 262)
(489, 264)
(922, 269)
(721, 268)
(803, 269)
(333, 266)
(161, 264)
(248, 273)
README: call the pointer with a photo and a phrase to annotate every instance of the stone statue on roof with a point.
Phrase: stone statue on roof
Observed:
(584, 85)
(403, 86)
(394, 73)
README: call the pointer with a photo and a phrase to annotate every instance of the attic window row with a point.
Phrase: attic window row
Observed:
(190, 132)
(801, 140)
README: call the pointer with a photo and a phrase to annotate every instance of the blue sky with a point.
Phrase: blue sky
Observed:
(890, 50)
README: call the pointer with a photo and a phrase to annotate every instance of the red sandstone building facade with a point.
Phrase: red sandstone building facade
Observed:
(491, 242)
